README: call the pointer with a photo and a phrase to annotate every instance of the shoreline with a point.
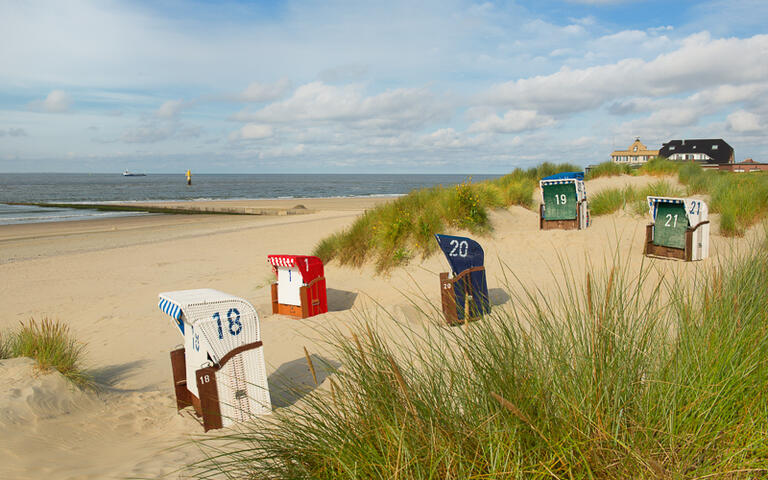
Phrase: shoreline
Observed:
(234, 207)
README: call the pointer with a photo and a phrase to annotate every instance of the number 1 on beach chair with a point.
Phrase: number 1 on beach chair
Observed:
(465, 295)
(564, 202)
(679, 228)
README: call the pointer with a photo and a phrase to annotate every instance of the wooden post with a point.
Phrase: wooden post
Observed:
(179, 370)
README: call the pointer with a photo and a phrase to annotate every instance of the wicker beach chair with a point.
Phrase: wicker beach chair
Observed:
(220, 369)
(564, 202)
(679, 228)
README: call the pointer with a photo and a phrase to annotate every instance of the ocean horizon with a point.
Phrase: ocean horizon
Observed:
(116, 188)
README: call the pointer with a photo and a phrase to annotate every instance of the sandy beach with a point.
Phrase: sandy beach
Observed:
(102, 278)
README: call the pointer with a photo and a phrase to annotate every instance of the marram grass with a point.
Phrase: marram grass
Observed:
(393, 233)
(613, 375)
(51, 345)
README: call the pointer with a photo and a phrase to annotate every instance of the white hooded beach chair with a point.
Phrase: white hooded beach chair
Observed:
(679, 228)
(220, 370)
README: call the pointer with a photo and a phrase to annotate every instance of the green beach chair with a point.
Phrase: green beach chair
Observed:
(679, 228)
(564, 202)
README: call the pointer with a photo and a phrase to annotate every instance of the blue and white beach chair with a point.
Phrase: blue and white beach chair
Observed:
(220, 370)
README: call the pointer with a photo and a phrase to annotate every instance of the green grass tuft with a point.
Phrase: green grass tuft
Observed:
(51, 345)
(394, 233)
(610, 376)
(609, 169)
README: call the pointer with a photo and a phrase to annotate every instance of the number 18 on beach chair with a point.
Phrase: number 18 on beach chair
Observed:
(300, 288)
(564, 202)
(220, 370)
(464, 296)
(679, 228)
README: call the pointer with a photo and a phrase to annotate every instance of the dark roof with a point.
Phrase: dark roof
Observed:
(721, 154)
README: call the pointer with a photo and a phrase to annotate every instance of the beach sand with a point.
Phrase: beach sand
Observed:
(102, 277)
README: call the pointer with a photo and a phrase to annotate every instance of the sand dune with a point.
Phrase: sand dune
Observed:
(102, 278)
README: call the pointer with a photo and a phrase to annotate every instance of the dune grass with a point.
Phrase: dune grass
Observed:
(393, 233)
(609, 169)
(51, 345)
(610, 376)
(613, 199)
(740, 199)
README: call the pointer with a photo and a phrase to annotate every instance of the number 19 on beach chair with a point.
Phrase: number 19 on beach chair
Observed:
(464, 296)
(564, 202)
(679, 228)
(220, 370)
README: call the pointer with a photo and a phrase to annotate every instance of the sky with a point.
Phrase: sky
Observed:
(445, 86)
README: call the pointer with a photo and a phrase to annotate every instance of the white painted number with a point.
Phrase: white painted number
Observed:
(561, 199)
(459, 249)
(205, 379)
(306, 262)
(670, 218)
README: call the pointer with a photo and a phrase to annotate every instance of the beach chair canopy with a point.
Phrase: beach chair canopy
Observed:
(672, 217)
(309, 267)
(561, 194)
(211, 321)
(464, 253)
(566, 175)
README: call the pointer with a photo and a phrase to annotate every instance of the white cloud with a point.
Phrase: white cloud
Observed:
(58, 101)
(318, 102)
(699, 63)
(170, 108)
(513, 121)
(742, 121)
(252, 131)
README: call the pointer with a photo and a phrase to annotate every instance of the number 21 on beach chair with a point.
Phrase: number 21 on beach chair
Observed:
(464, 296)
(220, 370)
(679, 228)
(564, 200)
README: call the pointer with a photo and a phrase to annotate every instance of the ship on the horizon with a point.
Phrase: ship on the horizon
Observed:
(131, 174)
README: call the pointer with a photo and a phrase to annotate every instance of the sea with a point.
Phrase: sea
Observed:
(116, 188)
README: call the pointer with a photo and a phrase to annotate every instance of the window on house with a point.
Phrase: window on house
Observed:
(671, 148)
(634, 149)
(714, 147)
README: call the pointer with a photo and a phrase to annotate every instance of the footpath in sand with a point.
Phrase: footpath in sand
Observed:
(102, 278)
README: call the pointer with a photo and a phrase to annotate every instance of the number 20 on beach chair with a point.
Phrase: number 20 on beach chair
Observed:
(679, 228)
(300, 288)
(220, 370)
(564, 200)
(464, 296)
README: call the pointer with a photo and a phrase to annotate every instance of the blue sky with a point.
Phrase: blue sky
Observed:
(333, 86)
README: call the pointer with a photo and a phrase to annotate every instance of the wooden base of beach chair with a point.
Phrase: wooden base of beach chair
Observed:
(662, 251)
(311, 296)
(448, 296)
(207, 405)
(545, 224)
